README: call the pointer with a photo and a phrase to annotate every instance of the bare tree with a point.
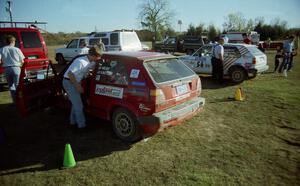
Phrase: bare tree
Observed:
(155, 15)
(235, 22)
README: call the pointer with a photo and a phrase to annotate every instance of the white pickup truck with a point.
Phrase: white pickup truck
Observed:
(74, 48)
(113, 41)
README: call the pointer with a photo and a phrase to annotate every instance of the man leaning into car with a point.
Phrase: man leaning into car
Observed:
(72, 83)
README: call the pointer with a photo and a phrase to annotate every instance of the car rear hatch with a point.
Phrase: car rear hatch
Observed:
(174, 83)
(259, 59)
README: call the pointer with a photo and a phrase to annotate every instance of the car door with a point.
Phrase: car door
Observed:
(204, 60)
(107, 86)
(231, 56)
(72, 49)
(37, 91)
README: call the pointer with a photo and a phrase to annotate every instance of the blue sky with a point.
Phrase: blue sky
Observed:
(105, 15)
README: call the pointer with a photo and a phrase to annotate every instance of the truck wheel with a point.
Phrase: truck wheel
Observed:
(60, 59)
(189, 52)
(237, 75)
(125, 125)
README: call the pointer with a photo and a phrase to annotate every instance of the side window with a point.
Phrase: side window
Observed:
(3, 36)
(31, 40)
(231, 52)
(82, 43)
(206, 51)
(73, 44)
(114, 38)
(93, 41)
(105, 41)
(112, 72)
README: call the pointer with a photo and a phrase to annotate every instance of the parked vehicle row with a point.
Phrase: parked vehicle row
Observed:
(113, 41)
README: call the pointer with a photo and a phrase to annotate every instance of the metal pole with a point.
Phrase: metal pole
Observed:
(9, 10)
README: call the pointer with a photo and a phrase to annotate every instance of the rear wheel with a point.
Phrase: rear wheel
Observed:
(189, 51)
(60, 59)
(125, 125)
(237, 75)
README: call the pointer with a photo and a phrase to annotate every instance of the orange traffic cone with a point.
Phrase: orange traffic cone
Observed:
(239, 96)
(69, 160)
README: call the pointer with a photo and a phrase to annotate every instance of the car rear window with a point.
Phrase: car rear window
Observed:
(31, 40)
(254, 50)
(167, 70)
(3, 36)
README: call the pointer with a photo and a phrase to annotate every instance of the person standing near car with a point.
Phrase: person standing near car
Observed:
(12, 59)
(101, 45)
(287, 52)
(217, 60)
(72, 83)
(246, 39)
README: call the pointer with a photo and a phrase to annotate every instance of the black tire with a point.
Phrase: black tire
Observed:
(189, 51)
(237, 75)
(125, 125)
(60, 59)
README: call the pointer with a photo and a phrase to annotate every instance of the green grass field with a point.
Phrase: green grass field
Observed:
(253, 142)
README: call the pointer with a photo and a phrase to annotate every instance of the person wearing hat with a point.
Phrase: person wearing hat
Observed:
(217, 60)
(72, 83)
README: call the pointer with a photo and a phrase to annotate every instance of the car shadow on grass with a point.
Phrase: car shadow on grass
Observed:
(37, 143)
(208, 83)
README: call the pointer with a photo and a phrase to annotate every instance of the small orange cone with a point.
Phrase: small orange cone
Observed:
(239, 95)
(69, 160)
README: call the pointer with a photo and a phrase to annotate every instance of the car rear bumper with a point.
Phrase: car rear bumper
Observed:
(254, 71)
(172, 116)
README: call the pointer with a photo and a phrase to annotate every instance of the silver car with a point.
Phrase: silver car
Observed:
(241, 61)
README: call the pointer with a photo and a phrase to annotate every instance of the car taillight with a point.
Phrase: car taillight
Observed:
(158, 95)
(254, 61)
(199, 86)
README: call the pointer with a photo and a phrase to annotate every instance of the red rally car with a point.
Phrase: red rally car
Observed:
(140, 92)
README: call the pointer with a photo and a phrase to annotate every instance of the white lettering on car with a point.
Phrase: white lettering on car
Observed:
(109, 91)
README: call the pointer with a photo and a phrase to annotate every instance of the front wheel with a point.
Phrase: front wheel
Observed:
(237, 75)
(125, 125)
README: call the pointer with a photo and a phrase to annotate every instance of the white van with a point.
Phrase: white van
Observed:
(120, 40)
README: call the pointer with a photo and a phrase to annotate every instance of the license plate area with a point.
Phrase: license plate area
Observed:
(181, 89)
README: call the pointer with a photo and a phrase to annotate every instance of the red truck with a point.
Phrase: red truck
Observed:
(30, 41)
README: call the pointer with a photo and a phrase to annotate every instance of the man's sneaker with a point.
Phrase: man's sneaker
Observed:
(284, 73)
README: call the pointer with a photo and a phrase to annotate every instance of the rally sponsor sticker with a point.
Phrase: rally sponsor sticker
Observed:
(138, 83)
(115, 92)
(134, 73)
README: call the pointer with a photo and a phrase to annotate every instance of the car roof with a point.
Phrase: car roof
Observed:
(18, 29)
(231, 44)
(141, 55)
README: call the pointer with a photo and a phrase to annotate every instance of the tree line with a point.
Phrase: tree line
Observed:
(155, 16)
(155, 19)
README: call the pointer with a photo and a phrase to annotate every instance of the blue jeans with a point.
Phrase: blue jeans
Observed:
(77, 115)
(12, 77)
